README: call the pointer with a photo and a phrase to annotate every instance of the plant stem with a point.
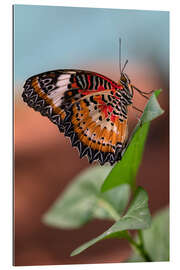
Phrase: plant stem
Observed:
(146, 255)
(108, 207)
(140, 247)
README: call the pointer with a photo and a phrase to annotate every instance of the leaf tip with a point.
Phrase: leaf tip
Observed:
(75, 252)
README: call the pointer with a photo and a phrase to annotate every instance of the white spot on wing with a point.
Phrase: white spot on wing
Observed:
(58, 93)
(88, 133)
(62, 82)
(64, 77)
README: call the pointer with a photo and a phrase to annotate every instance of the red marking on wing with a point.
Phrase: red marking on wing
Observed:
(89, 82)
(110, 108)
(100, 88)
(113, 118)
(103, 106)
(74, 85)
(106, 109)
(110, 81)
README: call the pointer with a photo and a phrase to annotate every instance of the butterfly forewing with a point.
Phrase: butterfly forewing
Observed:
(88, 107)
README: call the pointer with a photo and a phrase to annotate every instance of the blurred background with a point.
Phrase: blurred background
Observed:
(47, 38)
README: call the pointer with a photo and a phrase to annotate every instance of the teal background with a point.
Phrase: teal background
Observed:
(50, 37)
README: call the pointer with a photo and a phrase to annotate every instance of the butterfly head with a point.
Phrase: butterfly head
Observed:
(126, 84)
(124, 79)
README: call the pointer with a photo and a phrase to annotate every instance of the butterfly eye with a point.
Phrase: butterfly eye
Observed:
(124, 78)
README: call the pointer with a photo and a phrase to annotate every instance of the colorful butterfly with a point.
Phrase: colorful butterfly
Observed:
(88, 107)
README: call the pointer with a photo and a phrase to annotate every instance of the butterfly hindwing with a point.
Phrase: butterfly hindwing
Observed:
(86, 107)
(97, 128)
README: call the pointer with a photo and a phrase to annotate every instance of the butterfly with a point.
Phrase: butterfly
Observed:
(89, 108)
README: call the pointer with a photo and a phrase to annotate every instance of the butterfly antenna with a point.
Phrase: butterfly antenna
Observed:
(120, 55)
(124, 65)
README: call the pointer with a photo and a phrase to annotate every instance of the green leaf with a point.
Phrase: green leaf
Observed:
(82, 201)
(152, 109)
(137, 217)
(156, 239)
(124, 172)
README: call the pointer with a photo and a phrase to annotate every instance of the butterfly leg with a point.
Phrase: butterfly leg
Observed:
(135, 108)
(143, 94)
(138, 118)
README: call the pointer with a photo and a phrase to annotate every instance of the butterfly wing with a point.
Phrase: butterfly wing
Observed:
(86, 107)
(98, 128)
(49, 92)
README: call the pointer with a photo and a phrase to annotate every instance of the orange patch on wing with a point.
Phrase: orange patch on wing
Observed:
(113, 138)
(102, 140)
(63, 114)
(124, 131)
(69, 93)
(85, 123)
(122, 128)
(94, 145)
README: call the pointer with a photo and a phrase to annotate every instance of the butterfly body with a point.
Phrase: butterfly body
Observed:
(88, 107)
